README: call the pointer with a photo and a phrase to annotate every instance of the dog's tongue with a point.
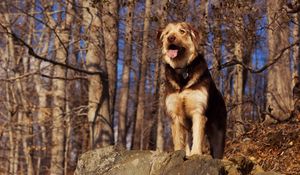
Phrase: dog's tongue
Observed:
(172, 53)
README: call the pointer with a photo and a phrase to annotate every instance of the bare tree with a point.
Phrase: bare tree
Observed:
(203, 25)
(98, 113)
(296, 63)
(14, 137)
(110, 35)
(43, 110)
(238, 78)
(59, 103)
(138, 132)
(279, 95)
(162, 12)
(124, 93)
(217, 42)
(296, 52)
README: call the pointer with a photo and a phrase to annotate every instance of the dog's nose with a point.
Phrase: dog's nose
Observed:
(171, 38)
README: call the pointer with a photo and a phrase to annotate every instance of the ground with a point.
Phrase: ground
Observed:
(274, 147)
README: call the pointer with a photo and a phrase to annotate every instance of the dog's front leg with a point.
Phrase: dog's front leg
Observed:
(178, 133)
(198, 129)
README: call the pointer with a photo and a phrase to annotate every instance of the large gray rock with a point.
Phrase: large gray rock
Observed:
(112, 161)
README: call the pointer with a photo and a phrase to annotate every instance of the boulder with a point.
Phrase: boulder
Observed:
(114, 161)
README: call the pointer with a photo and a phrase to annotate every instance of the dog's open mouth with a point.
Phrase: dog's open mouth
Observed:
(174, 51)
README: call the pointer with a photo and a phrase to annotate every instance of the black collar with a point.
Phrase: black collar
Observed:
(183, 72)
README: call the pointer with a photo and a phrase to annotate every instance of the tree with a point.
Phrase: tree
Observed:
(110, 9)
(99, 112)
(123, 104)
(238, 78)
(217, 43)
(296, 52)
(59, 103)
(162, 12)
(279, 95)
(14, 137)
(296, 62)
(138, 132)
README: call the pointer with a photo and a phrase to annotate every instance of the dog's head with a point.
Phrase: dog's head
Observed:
(179, 43)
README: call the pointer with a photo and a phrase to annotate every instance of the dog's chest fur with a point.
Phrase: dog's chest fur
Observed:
(187, 89)
(187, 102)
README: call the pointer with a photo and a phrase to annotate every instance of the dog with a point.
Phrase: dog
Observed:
(192, 100)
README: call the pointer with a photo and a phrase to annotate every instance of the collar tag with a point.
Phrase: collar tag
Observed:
(185, 75)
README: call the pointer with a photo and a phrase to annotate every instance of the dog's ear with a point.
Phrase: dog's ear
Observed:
(194, 34)
(159, 36)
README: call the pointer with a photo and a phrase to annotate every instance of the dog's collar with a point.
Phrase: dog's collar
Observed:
(184, 72)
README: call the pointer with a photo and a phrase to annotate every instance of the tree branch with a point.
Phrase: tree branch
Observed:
(263, 68)
(293, 8)
(35, 55)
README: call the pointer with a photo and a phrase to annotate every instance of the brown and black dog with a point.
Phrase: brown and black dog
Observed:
(192, 99)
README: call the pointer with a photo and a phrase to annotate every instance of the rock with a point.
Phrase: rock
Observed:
(113, 161)
(268, 173)
(198, 166)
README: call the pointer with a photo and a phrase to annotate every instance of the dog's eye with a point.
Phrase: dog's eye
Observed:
(182, 31)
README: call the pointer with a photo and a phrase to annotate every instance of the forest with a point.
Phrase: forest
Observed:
(82, 74)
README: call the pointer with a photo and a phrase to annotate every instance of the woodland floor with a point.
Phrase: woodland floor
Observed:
(274, 147)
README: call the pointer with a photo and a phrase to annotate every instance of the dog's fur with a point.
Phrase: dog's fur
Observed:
(192, 99)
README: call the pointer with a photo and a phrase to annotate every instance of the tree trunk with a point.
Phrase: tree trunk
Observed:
(238, 80)
(160, 111)
(203, 25)
(58, 114)
(296, 61)
(110, 34)
(238, 91)
(122, 131)
(98, 112)
(68, 27)
(138, 133)
(24, 116)
(14, 133)
(217, 44)
(296, 48)
(59, 98)
(18, 107)
(279, 93)
(43, 110)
